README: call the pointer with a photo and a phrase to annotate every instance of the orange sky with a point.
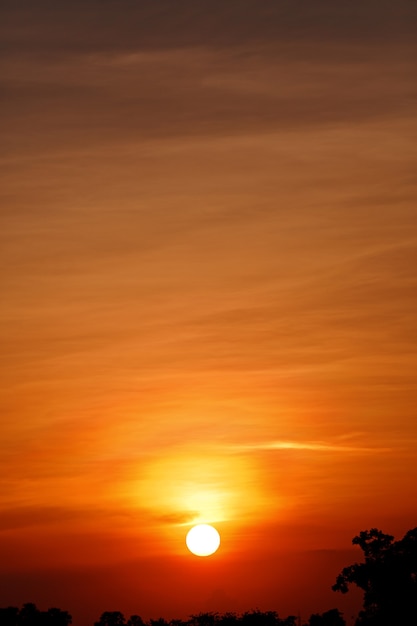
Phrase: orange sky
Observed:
(209, 291)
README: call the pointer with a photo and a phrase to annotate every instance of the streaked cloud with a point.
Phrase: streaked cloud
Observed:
(315, 446)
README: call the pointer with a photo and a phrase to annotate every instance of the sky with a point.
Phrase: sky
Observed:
(209, 294)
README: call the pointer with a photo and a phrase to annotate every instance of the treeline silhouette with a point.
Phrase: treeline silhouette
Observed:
(387, 576)
(29, 615)
(249, 618)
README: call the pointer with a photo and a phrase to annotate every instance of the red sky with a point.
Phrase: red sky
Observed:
(209, 291)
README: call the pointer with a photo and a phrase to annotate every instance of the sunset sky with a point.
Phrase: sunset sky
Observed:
(209, 295)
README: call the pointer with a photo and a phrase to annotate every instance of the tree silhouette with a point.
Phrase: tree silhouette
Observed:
(9, 616)
(228, 619)
(111, 618)
(329, 618)
(259, 618)
(30, 615)
(265, 618)
(135, 620)
(178, 622)
(56, 617)
(203, 619)
(161, 621)
(388, 578)
(287, 621)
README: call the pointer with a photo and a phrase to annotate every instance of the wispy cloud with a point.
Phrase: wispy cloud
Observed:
(315, 446)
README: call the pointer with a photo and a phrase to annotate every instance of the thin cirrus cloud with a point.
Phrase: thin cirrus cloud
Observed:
(315, 446)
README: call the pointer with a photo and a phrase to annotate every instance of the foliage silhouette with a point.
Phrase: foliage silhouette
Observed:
(56, 617)
(250, 618)
(9, 616)
(228, 619)
(30, 615)
(111, 618)
(203, 619)
(329, 618)
(135, 620)
(158, 622)
(388, 578)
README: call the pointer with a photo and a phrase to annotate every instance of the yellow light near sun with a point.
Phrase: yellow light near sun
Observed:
(197, 488)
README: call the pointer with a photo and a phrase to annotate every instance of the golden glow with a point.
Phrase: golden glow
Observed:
(196, 484)
(203, 540)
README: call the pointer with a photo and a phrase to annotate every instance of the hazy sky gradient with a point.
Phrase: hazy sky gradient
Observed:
(208, 238)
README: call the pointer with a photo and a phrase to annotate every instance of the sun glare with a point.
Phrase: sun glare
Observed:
(202, 540)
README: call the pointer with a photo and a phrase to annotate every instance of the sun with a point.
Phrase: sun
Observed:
(202, 540)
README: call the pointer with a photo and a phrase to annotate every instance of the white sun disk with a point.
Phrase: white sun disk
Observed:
(202, 540)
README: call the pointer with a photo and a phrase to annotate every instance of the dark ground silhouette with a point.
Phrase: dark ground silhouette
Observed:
(387, 576)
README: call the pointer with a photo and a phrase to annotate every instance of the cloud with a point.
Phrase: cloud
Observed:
(209, 23)
(181, 518)
(30, 516)
(315, 446)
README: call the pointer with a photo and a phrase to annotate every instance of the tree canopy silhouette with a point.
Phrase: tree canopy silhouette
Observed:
(249, 618)
(329, 618)
(388, 578)
(30, 615)
(111, 618)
